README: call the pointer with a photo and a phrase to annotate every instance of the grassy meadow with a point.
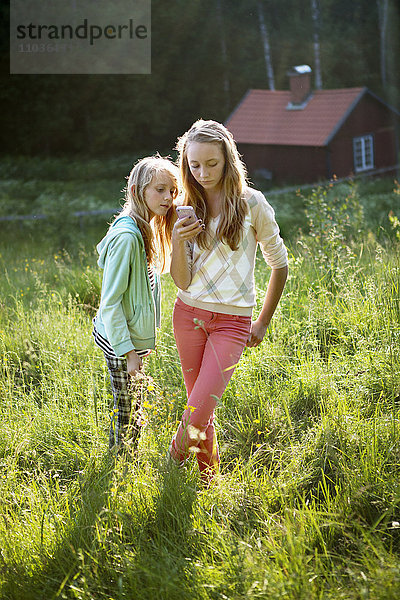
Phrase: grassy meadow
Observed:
(308, 502)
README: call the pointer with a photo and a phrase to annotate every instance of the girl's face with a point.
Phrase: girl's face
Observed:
(206, 163)
(159, 194)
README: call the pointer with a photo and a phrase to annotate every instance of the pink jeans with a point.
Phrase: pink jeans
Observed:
(209, 345)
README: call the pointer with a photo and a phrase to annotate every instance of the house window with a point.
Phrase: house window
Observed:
(363, 150)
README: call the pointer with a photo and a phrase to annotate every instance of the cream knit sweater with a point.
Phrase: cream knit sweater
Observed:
(223, 279)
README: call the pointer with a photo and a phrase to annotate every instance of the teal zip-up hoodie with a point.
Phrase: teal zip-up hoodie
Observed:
(129, 313)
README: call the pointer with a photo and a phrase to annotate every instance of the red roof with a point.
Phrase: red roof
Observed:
(262, 117)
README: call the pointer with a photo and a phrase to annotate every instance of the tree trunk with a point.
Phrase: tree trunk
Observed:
(317, 49)
(224, 53)
(383, 18)
(267, 50)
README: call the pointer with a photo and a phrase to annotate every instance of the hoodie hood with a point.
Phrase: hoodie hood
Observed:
(121, 225)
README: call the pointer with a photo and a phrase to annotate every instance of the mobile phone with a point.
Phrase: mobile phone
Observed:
(186, 211)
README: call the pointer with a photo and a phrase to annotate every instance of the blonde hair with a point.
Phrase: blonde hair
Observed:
(156, 232)
(234, 206)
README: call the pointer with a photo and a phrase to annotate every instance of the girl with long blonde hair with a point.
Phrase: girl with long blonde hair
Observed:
(133, 253)
(213, 266)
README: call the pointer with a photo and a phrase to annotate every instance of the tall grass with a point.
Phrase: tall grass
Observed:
(308, 502)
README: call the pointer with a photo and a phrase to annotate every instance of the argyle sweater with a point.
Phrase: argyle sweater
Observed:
(223, 279)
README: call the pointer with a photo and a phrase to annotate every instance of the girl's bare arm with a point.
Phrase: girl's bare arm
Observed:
(180, 269)
(274, 292)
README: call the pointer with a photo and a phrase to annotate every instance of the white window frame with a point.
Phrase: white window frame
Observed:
(363, 152)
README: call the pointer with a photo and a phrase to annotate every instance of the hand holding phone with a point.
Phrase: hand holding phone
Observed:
(186, 211)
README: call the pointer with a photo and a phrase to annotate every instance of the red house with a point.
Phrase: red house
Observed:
(302, 135)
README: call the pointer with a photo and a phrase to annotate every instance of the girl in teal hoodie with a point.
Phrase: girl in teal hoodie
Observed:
(134, 251)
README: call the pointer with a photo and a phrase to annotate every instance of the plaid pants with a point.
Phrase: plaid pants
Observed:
(126, 416)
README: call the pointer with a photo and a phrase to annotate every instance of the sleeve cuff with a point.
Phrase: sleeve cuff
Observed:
(122, 348)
